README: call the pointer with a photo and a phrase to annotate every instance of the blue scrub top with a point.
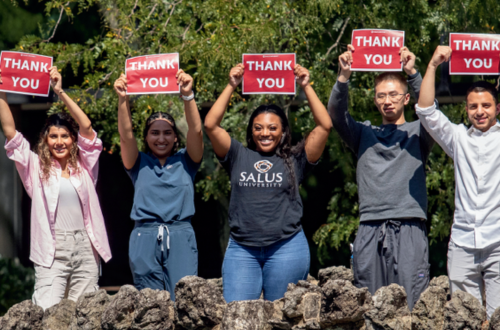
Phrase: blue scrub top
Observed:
(163, 193)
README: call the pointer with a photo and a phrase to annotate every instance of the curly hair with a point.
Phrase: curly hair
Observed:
(42, 149)
(284, 149)
(151, 119)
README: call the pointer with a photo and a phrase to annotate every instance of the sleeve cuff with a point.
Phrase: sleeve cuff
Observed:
(425, 111)
(413, 76)
(15, 142)
(86, 142)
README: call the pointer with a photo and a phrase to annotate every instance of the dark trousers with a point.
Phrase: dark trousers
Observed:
(160, 254)
(392, 251)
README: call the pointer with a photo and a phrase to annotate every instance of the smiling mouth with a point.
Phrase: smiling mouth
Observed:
(161, 146)
(266, 142)
(59, 150)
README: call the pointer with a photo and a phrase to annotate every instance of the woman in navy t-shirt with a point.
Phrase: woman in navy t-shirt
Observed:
(162, 246)
(267, 249)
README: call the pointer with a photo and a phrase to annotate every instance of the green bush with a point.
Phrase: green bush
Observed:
(16, 283)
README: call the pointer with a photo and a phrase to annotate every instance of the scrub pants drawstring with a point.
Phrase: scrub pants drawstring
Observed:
(160, 236)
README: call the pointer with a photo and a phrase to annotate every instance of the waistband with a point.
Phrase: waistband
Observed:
(70, 232)
(171, 225)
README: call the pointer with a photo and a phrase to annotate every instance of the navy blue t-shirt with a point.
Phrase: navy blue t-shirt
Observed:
(163, 193)
(262, 210)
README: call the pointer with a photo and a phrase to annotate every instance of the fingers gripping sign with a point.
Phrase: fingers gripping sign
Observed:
(302, 75)
(441, 54)
(120, 86)
(236, 75)
(407, 58)
(185, 82)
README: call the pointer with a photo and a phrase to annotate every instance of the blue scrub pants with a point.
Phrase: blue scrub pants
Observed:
(162, 253)
(247, 271)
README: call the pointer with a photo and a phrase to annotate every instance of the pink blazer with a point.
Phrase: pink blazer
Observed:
(45, 195)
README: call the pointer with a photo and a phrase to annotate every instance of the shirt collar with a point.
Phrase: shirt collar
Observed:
(493, 128)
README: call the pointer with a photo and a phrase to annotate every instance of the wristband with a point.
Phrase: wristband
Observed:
(187, 98)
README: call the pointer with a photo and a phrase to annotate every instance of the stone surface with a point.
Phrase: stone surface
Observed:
(119, 314)
(248, 315)
(155, 311)
(199, 303)
(463, 311)
(60, 316)
(494, 320)
(312, 280)
(302, 300)
(343, 303)
(390, 310)
(89, 309)
(278, 320)
(335, 273)
(428, 312)
(23, 316)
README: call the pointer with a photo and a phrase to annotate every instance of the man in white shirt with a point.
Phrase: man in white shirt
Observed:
(474, 248)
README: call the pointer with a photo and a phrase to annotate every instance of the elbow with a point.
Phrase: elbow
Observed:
(208, 125)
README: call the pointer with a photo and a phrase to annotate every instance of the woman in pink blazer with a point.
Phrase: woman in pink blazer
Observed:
(67, 227)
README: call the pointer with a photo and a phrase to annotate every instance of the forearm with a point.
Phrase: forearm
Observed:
(427, 89)
(125, 120)
(6, 118)
(194, 144)
(216, 113)
(320, 115)
(77, 113)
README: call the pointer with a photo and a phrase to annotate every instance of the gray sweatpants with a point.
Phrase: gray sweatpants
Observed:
(475, 271)
(392, 251)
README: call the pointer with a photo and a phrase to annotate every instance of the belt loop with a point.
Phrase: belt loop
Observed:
(160, 236)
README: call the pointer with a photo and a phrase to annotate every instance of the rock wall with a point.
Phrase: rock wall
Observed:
(332, 302)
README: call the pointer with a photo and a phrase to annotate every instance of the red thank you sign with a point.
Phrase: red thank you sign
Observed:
(377, 50)
(269, 74)
(152, 74)
(475, 54)
(24, 73)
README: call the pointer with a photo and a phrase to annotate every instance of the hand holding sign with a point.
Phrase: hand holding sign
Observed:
(302, 75)
(186, 82)
(236, 75)
(55, 80)
(345, 61)
(441, 54)
(121, 86)
(408, 60)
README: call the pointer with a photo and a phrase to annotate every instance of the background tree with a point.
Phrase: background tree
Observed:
(210, 37)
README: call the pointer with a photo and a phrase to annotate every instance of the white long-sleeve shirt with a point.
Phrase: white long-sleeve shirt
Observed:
(477, 177)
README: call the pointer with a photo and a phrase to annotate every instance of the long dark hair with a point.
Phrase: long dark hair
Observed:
(284, 149)
(42, 149)
(154, 116)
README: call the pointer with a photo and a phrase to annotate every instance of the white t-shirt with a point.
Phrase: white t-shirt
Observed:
(69, 215)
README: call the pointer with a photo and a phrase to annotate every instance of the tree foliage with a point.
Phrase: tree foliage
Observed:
(211, 35)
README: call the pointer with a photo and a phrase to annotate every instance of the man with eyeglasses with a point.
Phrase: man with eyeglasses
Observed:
(474, 248)
(391, 245)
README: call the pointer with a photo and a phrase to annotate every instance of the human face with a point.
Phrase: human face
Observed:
(481, 110)
(161, 138)
(267, 132)
(60, 142)
(391, 107)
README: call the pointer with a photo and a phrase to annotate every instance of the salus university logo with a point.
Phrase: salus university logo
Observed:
(263, 178)
(263, 166)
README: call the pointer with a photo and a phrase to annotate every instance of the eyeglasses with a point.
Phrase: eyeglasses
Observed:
(393, 97)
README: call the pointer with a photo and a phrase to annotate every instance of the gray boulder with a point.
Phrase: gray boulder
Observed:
(119, 314)
(390, 310)
(89, 310)
(199, 303)
(248, 315)
(428, 312)
(343, 303)
(494, 320)
(60, 316)
(302, 303)
(335, 273)
(155, 311)
(278, 320)
(463, 311)
(23, 316)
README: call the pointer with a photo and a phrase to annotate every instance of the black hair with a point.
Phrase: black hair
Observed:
(392, 76)
(63, 120)
(483, 86)
(154, 116)
(284, 149)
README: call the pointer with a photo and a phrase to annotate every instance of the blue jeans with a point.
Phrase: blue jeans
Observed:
(160, 257)
(247, 271)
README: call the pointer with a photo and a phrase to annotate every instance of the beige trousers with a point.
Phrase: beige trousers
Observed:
(75, 270)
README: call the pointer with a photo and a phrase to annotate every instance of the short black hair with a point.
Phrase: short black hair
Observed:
(481, 87)
(392, 76)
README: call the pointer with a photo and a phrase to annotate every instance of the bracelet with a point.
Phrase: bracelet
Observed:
(187, 98)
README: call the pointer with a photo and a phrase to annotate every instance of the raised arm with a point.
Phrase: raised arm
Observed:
(128, 143)
(434, 121)
(75, 111)
(8, 124)
(316, 140)
(348, 129)
(221, 141)
(194, 143)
